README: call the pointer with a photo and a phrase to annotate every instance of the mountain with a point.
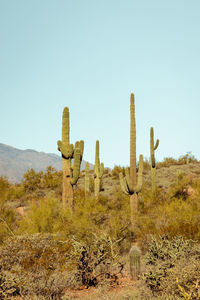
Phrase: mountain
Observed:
(15, 162)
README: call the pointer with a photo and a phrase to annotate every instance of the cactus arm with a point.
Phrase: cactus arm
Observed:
(76, 166)
(101, 170)
(87, 179)
(156, 145)
(128, 181)
(140, 172)
(81, 144)
(66, 150)
(123, 184)
(152, 156)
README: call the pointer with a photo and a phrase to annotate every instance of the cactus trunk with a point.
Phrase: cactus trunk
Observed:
(130, 184)
(152, 159)
(132, 142)
(98, 171)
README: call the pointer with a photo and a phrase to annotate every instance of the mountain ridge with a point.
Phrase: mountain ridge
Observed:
(15, 162)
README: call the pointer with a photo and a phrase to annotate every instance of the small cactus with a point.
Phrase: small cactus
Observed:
(87, 179)
(134, 256)
(98, 171)
(70, 172)
(152, 158)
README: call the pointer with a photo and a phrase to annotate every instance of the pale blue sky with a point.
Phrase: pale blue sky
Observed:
(90, 55)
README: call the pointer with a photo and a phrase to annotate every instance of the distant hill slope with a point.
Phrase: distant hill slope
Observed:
(15, 162)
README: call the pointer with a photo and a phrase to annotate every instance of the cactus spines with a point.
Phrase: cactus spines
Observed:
(135, 256)
(98, 171)
(152, 157)
(69, 152)
(130, 184)
(87, 179)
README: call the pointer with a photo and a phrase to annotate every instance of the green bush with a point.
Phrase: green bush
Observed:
(32, 180)
(51, 178)
(167, 260)
(42, 216)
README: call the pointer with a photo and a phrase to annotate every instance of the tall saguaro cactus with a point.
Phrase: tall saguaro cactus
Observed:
(152, 158)
(130, 184)
(87, 179)
(70, 172)
(98, 171)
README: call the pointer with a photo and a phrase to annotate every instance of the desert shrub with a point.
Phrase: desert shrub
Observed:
(176, 212)
(7, 215)
(34, 265)
(187, 158)
(4, 189)
(117, 170)
(167, 260)
(176, 217)
(45, 265)
(179, 188)
(42, 216)
(16, 192)
(182, 160)
(51, 178)
(146, 165)
(97, 261)
(167, 162)
(118, 222)
(31, 180)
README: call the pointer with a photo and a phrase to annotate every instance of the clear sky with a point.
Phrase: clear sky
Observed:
(90, 55)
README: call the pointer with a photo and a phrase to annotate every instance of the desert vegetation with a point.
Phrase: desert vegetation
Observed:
(125, 233)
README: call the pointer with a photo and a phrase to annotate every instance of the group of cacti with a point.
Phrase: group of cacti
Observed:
(131, 184)
(71, 170)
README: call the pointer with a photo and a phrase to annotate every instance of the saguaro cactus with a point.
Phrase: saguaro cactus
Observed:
(134, 256)
(87, 179)
(152, 158)
(69, 152)
(98, 171)
(130, 184)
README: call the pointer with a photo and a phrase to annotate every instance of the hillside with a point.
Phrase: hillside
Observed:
(15, 162)
(38, 233)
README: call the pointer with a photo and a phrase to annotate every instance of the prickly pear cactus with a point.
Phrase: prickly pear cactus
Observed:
(70, 172)
(152, 158)
(135, 256)
(98, 171)
(130, 184)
